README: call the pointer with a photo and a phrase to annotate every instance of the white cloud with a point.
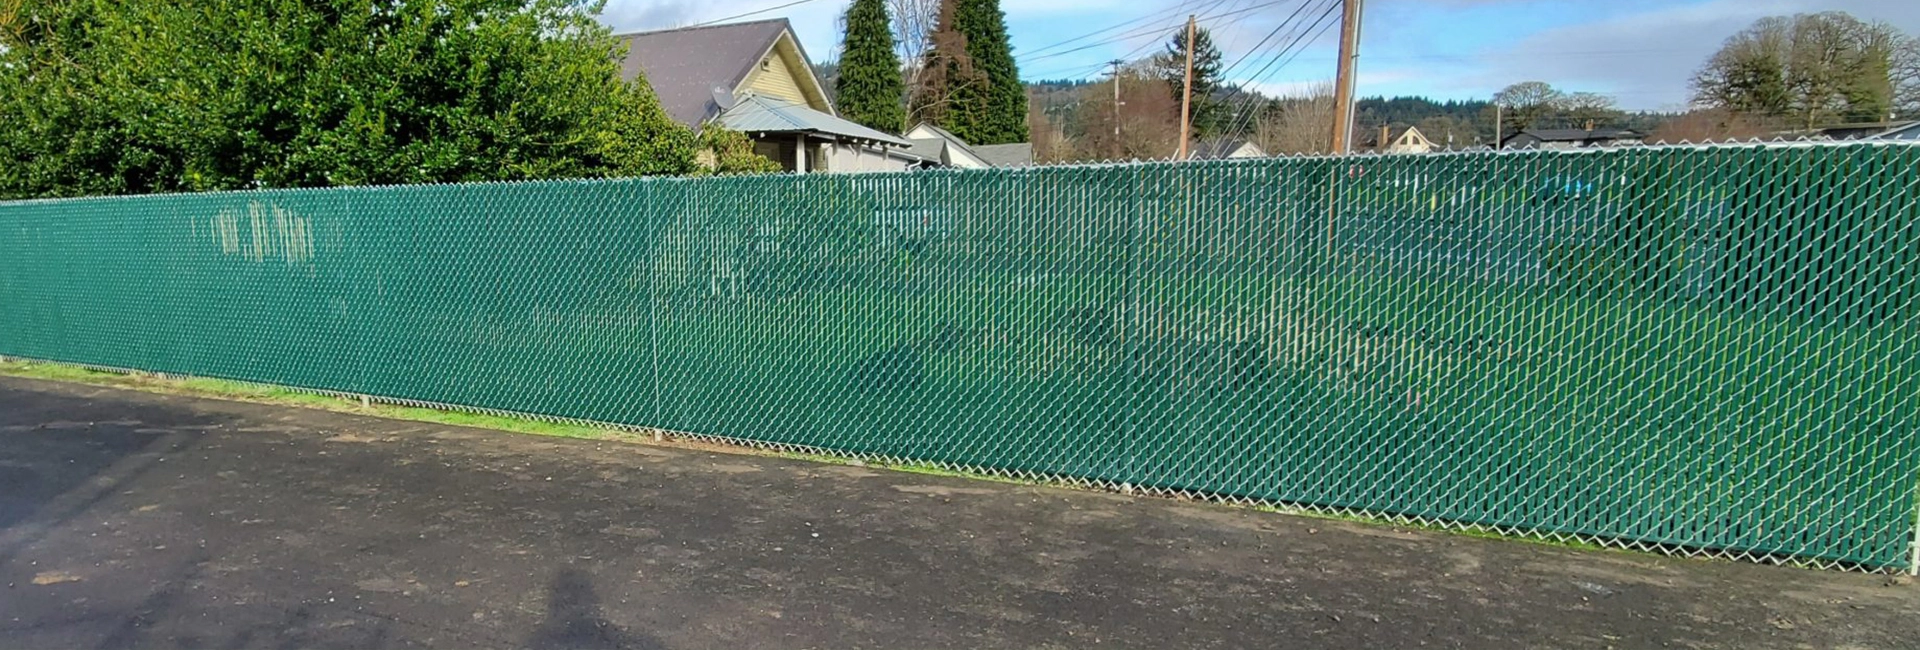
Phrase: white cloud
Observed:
(1646, 59)
(816, 23)
(1641, 54)
(1306, 86)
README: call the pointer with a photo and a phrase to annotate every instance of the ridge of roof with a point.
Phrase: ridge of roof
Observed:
(690, 28)
(952, 139)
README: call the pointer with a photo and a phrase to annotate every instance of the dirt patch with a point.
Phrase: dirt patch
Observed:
(54, 577)
(848, 471)
(943, 490)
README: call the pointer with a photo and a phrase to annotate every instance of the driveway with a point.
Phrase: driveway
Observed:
(136, 520)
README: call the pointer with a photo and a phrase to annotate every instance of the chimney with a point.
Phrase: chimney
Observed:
(1589, 125)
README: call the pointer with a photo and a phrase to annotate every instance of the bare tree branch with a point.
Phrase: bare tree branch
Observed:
(1299, 124)
(913, 20)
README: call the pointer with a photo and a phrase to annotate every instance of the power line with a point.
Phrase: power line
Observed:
(1224, 72)
(1151, 30)
(755, 12)
(1232, 38)
(1159, 15)
(1129, 56)
(1467, 58)
(1245, 117)
(1081, 71)
(1245, 112)
(1136, 33)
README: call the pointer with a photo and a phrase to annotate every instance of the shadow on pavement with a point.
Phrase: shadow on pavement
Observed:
(53, 469)
(574, 620)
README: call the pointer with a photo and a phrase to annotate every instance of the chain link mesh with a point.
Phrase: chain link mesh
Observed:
(1696, 350)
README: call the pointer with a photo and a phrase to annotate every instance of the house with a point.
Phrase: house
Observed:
(938, 145)
(1570, 139)
(1908, 133)
(1861, 131)
(1225, 149)
(1407, 140)
(753, 77)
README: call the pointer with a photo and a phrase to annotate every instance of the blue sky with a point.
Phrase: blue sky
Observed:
(1641, 52)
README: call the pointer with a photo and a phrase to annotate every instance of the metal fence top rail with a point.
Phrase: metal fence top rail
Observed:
(1144, 164)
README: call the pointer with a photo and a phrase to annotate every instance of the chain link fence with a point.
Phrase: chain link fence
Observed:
(1695, 350)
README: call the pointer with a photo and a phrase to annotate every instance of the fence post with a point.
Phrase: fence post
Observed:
(1913, 562)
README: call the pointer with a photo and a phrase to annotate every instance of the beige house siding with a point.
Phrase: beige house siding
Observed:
(1245, 151)
(771, 79)
(953, 156)
(847, 158)
(779, 75)
(1411, 141)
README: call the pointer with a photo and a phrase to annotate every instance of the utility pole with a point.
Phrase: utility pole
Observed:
(1343, 86)
(1186, 98)
(1116, 107)
(1497, 115)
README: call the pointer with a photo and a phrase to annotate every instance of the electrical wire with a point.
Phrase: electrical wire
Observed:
(1082, 71)
(1150, 30)
(1154, 29)
(1232, 35)
(1225, 72)
(1244, 115)
(755, 12)
(1159, 15)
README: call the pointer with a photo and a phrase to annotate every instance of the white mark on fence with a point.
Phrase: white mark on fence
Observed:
(271, 231)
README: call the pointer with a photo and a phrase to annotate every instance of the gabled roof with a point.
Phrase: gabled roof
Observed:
(686, 66)
(944, 146)
(757, 114)
(1861, 130)
(1908, 132)
(929, 148)
(1218, 149)
(1396, 134)
(1017, 154)
(1577, 135)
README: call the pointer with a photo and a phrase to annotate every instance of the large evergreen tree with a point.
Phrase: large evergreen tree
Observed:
(969, 84)
(868, 87)
(144, 96)
(1209, 111)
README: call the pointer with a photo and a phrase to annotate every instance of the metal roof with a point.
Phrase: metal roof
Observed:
(757, 114)
(1577, 135)
(1908, 132)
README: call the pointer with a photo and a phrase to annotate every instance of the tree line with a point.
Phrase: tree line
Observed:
(1081, 121)
(1784, 75)
(1802, 72)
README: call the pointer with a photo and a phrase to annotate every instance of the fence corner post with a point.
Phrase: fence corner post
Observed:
(1913, 548)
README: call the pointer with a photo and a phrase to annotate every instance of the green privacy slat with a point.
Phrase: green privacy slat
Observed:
(1703, 350)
